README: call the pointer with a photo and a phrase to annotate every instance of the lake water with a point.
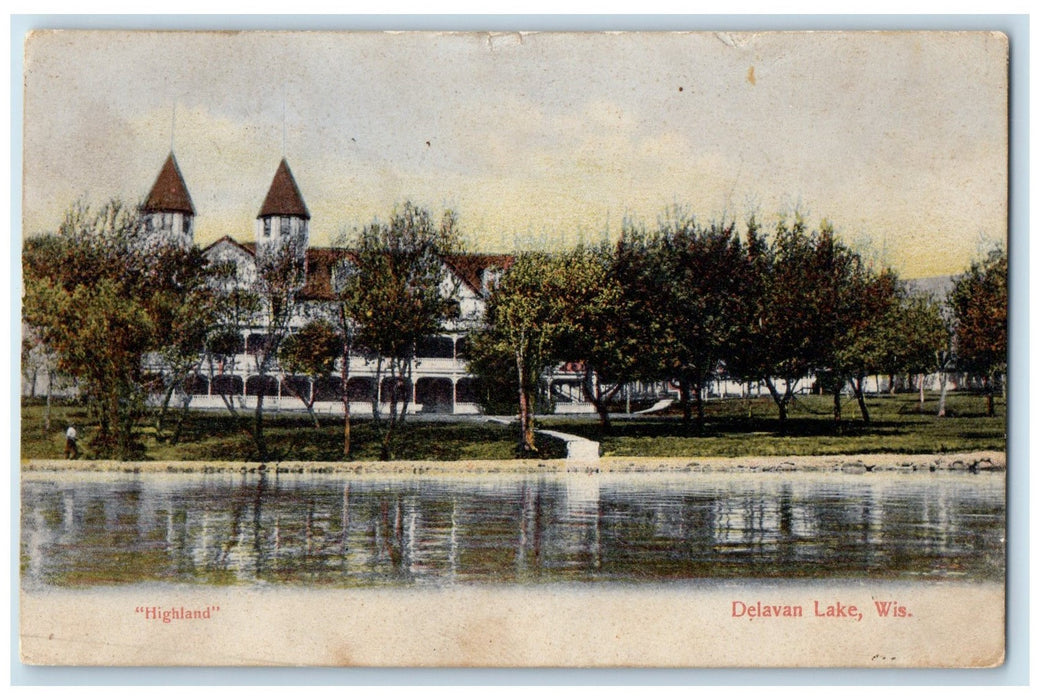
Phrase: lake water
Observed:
(323, 530)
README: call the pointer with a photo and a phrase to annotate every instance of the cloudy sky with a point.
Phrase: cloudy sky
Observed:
(900, 139)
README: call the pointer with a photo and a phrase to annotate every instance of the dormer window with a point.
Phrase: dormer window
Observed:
(490, 278)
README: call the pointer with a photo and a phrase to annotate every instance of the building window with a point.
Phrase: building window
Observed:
(266, 385)
(196, 385)
(286, 225)
(395, 390)
(361, 388)
(435, 347)
(267, 227)
(434, 394)
(462, 348)
(227, 385)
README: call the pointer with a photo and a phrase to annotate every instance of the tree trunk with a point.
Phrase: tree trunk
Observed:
(47, 410)
(258, 423)
(990, 411)
(593, 391)
(892, 385)
(391, 415)
(780, 401)
(684, 400)
(837, 403)
(529, 439)
(861, 399)
(942, 394)
(921, 387)
(699, 400)
(307, 403)
(161, 418)
(181, 416)
(229, 404)
(409, 394)
(377, 390)
(526, 446)
(345, 395)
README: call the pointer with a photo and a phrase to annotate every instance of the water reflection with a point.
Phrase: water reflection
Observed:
(320, 530)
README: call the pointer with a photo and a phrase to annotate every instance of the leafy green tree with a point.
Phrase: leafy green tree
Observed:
(280, 276)
(396, 296)
(347, 295)
(850, 304)
(979, 301)
(237, 305)
(699, 304)
(776, 342)
(913, 337)
(604, 330)
(640, 339)
(311, 352)
(186, 310)
(525, 326)
(101, 296)
(495, 372)
(807, 304)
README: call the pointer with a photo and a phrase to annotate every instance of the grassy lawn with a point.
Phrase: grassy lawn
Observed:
(219, 436)
(734, 428)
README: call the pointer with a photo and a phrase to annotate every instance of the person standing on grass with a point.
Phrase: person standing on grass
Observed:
(70, 443)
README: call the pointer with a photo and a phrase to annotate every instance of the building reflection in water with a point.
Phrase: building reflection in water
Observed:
(248, 529)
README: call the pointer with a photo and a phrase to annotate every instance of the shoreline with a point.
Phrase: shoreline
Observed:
(966, 462)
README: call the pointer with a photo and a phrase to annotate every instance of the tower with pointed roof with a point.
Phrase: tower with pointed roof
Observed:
(282, 224)
(168, 214)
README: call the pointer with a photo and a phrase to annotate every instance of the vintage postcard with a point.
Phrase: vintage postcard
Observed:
(644, 349)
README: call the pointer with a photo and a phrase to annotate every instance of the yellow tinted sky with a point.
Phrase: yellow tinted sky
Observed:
(539, 139)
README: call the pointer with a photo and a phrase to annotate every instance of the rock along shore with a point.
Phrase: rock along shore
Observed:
(968, 462)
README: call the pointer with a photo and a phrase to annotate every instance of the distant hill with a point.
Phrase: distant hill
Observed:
(938, 287)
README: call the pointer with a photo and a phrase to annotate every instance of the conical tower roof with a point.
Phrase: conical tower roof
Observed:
(284, 199)
(169, 193)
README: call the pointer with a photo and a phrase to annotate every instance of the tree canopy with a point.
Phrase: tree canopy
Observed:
(394, 294)
(979, 301)
(100, 295)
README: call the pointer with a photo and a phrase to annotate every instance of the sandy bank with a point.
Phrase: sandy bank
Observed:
(963, 462)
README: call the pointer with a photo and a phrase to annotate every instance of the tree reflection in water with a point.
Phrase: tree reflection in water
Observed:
(322, 530)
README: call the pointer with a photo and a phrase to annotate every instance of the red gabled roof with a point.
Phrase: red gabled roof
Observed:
(320, 264)
(470, 267)
(169, 193)
(284, 198)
